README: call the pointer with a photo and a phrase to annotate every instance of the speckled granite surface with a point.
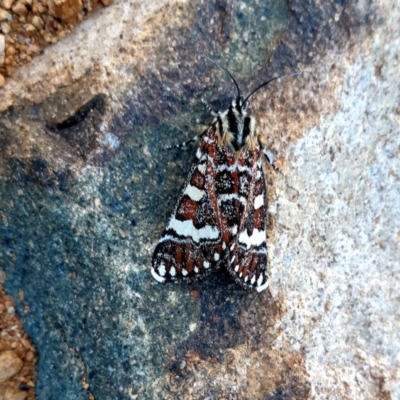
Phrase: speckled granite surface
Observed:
(87, 186)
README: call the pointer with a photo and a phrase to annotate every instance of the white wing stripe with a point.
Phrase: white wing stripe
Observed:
(256, 239)
(186, 228)
(194, 193)
(258, 201)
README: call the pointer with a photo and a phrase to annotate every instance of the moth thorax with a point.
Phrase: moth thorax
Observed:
(236, 128)
(251, 135)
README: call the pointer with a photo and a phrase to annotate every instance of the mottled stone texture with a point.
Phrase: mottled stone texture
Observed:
(65, 10)
(87, 184)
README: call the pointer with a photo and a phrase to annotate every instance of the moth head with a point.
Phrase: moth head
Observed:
(241, 105)
(237, 128)
(244, 105)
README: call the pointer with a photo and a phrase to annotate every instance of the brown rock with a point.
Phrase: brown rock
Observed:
(20, 9)
(66, 10)
(11, 393)
(10, 364)
(29, 28)
(40, 8)
(26, 343)
(4, 15)
(6, 4)
(8, 302)
(37, 21)
(29, 356)
(2, 49)
(10, 51)
(5, 28)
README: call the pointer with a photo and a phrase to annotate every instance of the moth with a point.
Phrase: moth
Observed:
(220, 216)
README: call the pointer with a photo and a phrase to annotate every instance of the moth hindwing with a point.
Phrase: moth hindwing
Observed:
(220, 215)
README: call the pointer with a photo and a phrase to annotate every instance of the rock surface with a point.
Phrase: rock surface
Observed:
(29, 26)
(17, 354)
(87, 184)
(10, 364)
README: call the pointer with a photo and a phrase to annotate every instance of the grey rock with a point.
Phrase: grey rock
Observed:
(87, 185)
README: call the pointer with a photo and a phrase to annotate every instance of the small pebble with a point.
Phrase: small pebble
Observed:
(6, 4)
(26, 343)
(38, 22)
(4, 15)
(29, 356)
(5, 27)
(14, 394)
(29, 28)
(2, 49)
(192, 327)
(10, 364)
(20, 9)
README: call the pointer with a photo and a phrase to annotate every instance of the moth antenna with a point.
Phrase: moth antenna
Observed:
(230, 75)
(266, 83)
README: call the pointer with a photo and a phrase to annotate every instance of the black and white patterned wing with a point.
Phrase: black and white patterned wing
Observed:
(191, 245)
(248, 251)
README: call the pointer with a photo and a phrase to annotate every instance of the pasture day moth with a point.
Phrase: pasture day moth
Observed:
(220, 216)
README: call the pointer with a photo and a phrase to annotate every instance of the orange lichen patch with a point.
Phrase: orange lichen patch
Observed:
(18, 356)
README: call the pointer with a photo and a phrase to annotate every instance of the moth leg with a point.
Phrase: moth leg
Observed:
(213, 112)
(270, 158)
(183, 144)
